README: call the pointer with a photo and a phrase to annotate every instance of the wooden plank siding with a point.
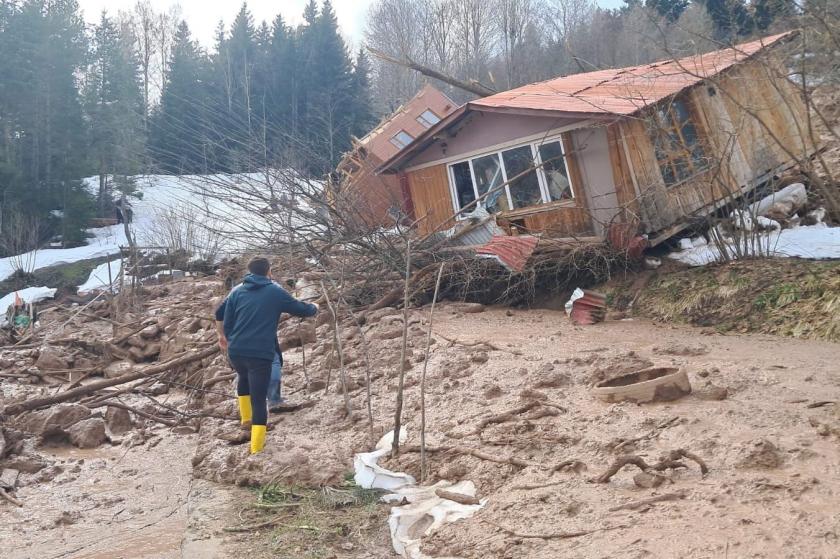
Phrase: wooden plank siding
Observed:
(429, 189)
(750, 122)
(624, 189)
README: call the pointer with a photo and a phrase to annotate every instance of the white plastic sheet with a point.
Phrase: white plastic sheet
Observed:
(424, 512)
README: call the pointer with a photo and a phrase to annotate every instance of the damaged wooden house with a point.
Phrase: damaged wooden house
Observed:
(623, 152)
(379, 200)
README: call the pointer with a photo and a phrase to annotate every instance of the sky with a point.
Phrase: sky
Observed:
(203, 15)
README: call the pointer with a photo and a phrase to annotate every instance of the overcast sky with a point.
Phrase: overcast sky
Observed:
(203, 15)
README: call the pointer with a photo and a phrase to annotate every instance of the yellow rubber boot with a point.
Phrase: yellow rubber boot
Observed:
(245, 413)
(257, 438)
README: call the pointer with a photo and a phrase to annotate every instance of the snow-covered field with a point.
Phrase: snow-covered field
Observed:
(816, 242)
(171, 204)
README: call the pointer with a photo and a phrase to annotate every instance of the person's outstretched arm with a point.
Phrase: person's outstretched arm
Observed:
(294, 307)
(220, 325)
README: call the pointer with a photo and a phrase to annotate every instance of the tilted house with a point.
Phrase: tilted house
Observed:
(379, 199)
(647, 147)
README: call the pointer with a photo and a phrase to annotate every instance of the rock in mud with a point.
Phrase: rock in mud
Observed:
(56, 419)
(118, 368)
(760, 454)
(714, 393)
(51, 359)
(118, 420)
(89, 433)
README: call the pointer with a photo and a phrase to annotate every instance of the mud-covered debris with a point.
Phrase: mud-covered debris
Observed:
(89, 433)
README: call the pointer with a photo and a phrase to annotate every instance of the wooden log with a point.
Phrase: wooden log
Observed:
(72, 394)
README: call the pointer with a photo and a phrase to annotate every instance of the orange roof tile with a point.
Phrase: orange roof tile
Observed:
(622, 91)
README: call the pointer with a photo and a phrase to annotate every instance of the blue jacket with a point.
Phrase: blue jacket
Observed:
(251, 313)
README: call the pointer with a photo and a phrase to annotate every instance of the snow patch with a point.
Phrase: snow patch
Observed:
(818, 242)
(99, 277)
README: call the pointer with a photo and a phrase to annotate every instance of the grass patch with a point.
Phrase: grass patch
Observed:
(787, 297)
(315, 523)
(66, 277)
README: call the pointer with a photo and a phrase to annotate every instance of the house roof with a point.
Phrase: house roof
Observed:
(624, 91)
(599, 94)
(378, 141)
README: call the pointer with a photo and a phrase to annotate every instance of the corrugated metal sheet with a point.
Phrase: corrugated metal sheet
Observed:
(512, 252)
(590, 308)
(626, 90)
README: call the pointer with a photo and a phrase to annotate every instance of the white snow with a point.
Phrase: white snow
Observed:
(817, 242)
(180, 201)
(99, 277)
(28, 295)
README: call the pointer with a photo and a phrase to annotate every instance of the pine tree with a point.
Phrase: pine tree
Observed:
(362, 118)
(114, 103)
(328, 120)
(42, 143)
(181, 139)
(766, 12)
(731, 18)
(669, 9)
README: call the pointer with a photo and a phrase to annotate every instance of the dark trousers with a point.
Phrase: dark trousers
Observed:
(253, 376)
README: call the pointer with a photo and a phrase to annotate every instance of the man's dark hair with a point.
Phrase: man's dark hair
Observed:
(259, 265)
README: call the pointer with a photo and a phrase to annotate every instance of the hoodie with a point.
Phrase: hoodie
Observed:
(251, 313)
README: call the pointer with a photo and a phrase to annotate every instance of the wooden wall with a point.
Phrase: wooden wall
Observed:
(751, 122)
(429, 189)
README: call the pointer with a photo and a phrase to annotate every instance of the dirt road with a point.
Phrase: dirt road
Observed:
(771, 492)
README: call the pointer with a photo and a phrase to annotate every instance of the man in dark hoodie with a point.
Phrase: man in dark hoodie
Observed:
(250, 315)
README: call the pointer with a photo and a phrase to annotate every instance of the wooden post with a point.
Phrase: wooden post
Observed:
(395, 444)
(424, 467)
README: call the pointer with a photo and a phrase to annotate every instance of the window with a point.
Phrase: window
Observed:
(556, 175)
(524, 188)
(402, 139)
(532, 174)
(488, 176)
(428, 118)
(462, 180)
(679, 152)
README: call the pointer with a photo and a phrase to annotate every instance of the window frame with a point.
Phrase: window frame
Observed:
(542, 179)
(423, 121)
(673, 130)
(398, 143)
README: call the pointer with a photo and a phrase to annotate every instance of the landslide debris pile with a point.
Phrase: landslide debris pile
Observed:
(94, 375)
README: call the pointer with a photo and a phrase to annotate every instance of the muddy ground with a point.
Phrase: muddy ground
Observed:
(757, 417)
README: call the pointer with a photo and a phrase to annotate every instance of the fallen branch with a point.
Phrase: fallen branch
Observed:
(619, 463)
(457, 497)
(67, 395)
(506, 416)
(518, 462)
(552, 535)
(10, 498)
(141, 413)
(635, 505)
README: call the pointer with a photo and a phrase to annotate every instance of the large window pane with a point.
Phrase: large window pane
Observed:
(525, 190)
(463, 184)
(556, 174)
(488, 175)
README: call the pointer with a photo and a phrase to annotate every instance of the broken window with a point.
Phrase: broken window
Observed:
(677, 145)
(462, 180)
(556, 174)
(533, 174)
(428, 118)
(524, 189)
(402, 139)
(488, 176)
